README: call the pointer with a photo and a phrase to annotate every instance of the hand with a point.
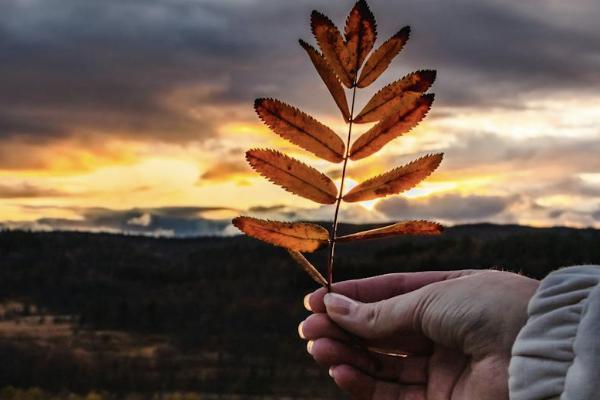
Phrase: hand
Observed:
(457, 329)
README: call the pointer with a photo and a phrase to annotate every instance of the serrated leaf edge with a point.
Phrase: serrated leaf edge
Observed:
(348, 83)
(322, 242)
(366, 110)
(362, 77)
(353, 150)
(342, 103)
(285, 156)
(316, 138)
(354, 236)
(393, 171)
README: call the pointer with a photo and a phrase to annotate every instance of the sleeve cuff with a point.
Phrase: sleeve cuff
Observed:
(557, 353)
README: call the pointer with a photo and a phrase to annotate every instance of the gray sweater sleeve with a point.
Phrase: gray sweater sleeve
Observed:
(557, 353)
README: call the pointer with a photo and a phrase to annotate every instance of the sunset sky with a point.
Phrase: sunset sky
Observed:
(134, 115)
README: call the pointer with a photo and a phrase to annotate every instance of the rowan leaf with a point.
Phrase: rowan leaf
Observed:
(396, 96)
(360, 34)
(390, 128)
(400, 228)
(298, 236)
(382, 57)
(332, 45)
(293, 175)
(310, 269)
(395, 181)
(329, 77)
(301, 129)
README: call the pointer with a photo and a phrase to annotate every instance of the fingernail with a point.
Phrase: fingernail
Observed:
(307, 302)
(309, 346)
(337, 304)
(332, 372)
(300, 332)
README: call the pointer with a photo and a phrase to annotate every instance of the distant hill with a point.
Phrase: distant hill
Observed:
(212, 315)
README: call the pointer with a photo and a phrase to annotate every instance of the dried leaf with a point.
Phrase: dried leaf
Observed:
(398, 105)
(400, 228)
(396, 97)
(293, 175)
(298, 236)
(332, 45)
(395, 181)
(329, 77)
(301, 129)
(390, 128)
(308, 267)
(360, 33)
(382, 57)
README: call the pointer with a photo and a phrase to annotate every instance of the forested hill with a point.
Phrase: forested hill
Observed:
(213, 315)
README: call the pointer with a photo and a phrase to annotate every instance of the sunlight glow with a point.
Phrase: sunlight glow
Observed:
(426, 189)
(241, 128)
(351, 183)
(592, 178)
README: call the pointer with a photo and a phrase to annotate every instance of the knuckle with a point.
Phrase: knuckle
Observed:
(373, 315)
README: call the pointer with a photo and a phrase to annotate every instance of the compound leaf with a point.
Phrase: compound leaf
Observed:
(301, 129)
(382, 57)
(310, 269)
(329, 77)
(395, 181)
(360, 34)
(390, 128)
(332, 45)
(293, 175)
(298, 236)
(400, 228)
(396, 96)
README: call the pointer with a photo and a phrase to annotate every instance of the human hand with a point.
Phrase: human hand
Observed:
(456, 327)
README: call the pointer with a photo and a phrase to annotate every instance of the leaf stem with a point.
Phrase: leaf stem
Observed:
(333, 233)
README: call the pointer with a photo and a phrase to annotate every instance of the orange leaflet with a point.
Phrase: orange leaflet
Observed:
(382, 57)
(400, 228)
(395, 181)
(310, 269)
(390, 128)
(298, 236)
(293, 175)
(301, 129)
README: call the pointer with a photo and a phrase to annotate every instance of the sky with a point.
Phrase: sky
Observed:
(133, 116)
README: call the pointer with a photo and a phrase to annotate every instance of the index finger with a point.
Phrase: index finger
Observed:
(381, 287)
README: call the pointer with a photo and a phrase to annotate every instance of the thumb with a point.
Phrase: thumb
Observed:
(372, 320)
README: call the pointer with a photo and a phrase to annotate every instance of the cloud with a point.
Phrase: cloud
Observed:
(225, 170)
(262, 209)
(172, 70)
(27, 191)
(574, 186)
(164, 222)
(455, 208)
(143, 220)
(168, 78)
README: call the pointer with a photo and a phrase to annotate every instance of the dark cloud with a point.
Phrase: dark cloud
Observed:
(573, 186)
(262, 209)
(556, 214)
(495, 52)
(27, 191)
(489, 151)
(225, 170)
(452, 207)
(119, 66)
